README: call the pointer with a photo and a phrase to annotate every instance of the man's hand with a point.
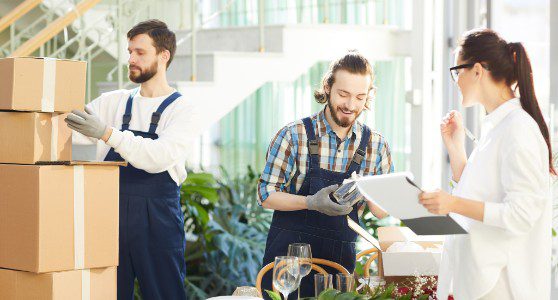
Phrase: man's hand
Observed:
(87, 123)
(322, 203)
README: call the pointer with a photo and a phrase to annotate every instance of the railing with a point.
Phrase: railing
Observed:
(18, 12)
(53, 28)
(56, 33)
(15, 40)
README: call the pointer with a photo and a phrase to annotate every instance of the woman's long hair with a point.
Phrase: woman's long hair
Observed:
(508, 62)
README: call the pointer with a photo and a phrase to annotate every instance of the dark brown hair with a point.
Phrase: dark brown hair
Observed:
(507, 62)
(354, 63)
(163, 38)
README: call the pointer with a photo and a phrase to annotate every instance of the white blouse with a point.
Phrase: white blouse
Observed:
(508, 170)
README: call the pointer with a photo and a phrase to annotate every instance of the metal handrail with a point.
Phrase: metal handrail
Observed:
(54, 28)
(18, 12)
(26, 32)
(76, 38)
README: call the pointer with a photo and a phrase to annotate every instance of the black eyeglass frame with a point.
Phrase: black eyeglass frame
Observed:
(454, 73)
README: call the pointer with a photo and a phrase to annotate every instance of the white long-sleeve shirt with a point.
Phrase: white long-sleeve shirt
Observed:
(176, 129)
(508, 170)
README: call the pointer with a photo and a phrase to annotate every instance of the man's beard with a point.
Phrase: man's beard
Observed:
(143, 75)
(339, 121)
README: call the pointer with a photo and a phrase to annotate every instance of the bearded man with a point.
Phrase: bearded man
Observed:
(309, 158)
(149, 128)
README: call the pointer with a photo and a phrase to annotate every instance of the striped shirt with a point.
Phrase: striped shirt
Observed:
(287, 158)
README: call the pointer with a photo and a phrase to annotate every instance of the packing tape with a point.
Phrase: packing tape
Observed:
(49, 84)
(85, 285)
(54, 138)
(79, 216)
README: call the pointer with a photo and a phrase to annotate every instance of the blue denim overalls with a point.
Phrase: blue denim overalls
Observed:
(152, 240)
(329, 237)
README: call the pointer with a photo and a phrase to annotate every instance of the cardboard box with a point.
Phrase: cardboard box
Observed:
(42, 84)
(94, 284)
(408, 263)
(30, 137)
(58, 217)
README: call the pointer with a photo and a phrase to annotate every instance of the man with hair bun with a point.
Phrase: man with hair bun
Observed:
(309, 158)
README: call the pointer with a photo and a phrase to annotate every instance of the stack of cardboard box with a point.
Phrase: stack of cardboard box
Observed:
(58, 218)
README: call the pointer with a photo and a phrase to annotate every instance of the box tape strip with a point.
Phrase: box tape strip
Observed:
(54, 138)
(85, 285)
(79, 215)
(49, 84)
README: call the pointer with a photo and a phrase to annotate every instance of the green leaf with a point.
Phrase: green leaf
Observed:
(200, 179)
(273, 295)
(328, 294)
(345, 296)
(388, 291)
(201, 213)
(406, 297)
(209, 193)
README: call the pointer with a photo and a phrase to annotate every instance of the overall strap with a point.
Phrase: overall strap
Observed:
(313, 147)
(156, 116)
(360, 153)
(127, 117)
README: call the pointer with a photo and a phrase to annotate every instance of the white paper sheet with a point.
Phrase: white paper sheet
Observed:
(395, 194)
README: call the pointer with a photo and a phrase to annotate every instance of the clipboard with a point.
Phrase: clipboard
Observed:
(397, 194)
(363, 233)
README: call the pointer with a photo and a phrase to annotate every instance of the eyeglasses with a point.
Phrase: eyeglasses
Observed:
(454, 71)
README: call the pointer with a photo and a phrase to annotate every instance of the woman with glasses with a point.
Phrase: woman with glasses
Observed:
(501, 191)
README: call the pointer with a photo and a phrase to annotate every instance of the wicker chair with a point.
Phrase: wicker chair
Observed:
(315, 262)
(374, 254)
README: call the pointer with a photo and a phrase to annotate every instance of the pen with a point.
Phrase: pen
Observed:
(470, 135)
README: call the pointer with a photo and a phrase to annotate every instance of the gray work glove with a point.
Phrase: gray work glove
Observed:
(322, 203)
(86, 123)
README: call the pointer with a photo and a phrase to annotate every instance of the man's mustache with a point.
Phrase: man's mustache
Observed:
(347, 110)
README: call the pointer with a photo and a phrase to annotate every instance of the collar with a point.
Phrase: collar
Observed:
(325, 128)
(495, 117)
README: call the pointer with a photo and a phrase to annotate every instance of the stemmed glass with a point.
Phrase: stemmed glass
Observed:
(304, 254)
(286, 274)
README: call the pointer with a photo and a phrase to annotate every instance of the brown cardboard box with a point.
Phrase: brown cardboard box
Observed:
(30, 137)
(94, 284)
(42, 84)
(38, 230)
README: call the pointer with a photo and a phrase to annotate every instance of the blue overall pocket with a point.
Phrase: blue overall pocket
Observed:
(166, 223)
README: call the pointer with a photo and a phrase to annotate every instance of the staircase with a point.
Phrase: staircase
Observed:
(229, 64)
(230, 68)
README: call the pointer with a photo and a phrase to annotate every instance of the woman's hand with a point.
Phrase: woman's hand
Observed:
(438, 202)
(452, 130)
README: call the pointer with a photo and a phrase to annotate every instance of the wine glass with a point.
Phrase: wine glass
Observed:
(304, 254)
(286, 274)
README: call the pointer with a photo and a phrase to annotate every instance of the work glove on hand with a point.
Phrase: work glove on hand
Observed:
(86, 123)
(322, 203)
